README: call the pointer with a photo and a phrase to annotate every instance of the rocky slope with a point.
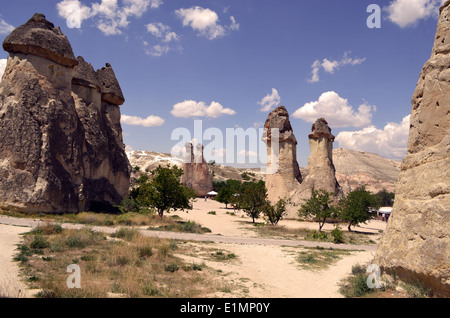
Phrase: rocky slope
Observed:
(354, 168)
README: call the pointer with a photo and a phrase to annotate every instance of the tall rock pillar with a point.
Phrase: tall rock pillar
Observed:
(416, 245)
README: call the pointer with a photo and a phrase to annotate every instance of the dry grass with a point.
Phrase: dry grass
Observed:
(125, 264)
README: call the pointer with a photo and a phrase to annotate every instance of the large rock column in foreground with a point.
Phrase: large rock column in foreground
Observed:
(416, 245)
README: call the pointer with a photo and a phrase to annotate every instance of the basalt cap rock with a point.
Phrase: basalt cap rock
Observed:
(39, 37)
(111, 91)
(320, 129)
(279, 119)
(85, 75)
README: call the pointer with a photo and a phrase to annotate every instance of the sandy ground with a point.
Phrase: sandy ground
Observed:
(11, 284)
(261, 269)
(268, 271)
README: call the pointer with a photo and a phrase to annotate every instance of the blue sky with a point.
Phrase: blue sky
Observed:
(229, 63)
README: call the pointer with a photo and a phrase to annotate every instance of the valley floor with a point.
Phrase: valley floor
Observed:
(265, 267)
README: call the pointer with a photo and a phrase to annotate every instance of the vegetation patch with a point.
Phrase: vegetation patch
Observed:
(132, 265)
(319, 258)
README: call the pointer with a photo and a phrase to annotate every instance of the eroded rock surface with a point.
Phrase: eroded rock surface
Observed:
(416, 245)
(283, 178)
(60, 149)
(196, 173)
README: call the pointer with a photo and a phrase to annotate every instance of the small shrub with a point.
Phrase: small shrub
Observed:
(360, 287)
(39, 242)
(212, 212)
(338, 235)
(21, 258)
(126, 234)
(47, 229)
(171, 267)
(317, 236)
(75, 242)
(122, 260)
(150, 290)
(221, 256)
(145, 251)
(358, 269)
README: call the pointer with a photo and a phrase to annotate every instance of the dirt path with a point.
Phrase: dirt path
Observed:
(11, 284)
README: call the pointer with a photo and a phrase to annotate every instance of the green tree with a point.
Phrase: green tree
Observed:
(356, 207)
(253, 198)
(225, 195)
(319, 206)
(164, 191)
(275, 213)
(385, 197)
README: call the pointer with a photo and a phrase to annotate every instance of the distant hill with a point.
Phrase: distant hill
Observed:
(353, 168)
(358, 168)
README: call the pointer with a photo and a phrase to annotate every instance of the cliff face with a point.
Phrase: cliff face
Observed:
(60, 150)
(416, 244)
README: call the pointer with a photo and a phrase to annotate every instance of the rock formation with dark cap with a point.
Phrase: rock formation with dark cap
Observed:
(196, 173)
(40, 37)
(283, 177)
(60, 151)
(416, 244)
(111, 91)
(321, 170)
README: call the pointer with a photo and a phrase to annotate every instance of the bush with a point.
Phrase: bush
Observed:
(171, 267)
(338, 235)
(75, 242)
(39, 242)
(317, 236)
(126, 234)
(145, 251)
(47, 229)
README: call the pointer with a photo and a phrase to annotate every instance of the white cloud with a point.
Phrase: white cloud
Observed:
(406, 13)
(74, 12)
(150, 121)
(330, 66)
(205, 22)
(2, 67)
(389, 142)
(234, 25)
(111, 17)
(164, 34)
(5, 28)
(270, 101)
(191, 108)
(162, 31)
(336, 110)
(315, 72)
(156, 50)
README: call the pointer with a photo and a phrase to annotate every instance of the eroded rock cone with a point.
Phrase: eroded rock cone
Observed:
(58, 150)
(196, 173)
(321, 170)
(283, 177)
(416, 245)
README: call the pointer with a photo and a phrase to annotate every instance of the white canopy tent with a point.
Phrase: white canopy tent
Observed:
(385, 210)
